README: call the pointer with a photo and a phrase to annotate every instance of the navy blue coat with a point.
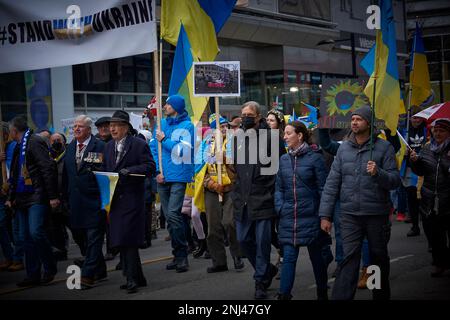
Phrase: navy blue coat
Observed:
(82, 188)
(127, 215)
(297, 198)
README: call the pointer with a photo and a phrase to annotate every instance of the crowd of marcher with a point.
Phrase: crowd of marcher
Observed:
(227, 195)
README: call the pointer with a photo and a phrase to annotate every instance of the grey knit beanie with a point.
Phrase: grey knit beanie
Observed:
(364, 112)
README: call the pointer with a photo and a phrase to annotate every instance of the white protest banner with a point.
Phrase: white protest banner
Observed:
(48, 33)
(136, 121)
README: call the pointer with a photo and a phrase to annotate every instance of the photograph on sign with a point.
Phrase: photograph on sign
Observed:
(339, 98)
(217, 79)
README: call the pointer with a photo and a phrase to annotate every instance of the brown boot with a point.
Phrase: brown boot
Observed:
(16, 266)
(5, 265)
(362, 282)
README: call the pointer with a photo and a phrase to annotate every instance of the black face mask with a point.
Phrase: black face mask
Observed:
(57, 146)
(248, 122)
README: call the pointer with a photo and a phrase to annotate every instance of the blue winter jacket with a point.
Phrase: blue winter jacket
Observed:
(177, 149)
(297, 197)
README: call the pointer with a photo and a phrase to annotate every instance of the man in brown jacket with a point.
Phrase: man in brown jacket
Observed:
(219, 212)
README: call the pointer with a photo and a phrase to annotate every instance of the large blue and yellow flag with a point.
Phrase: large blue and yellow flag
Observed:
(191, 26)
(381, 64)
(107, 182)
(419, 78)
(182, 81)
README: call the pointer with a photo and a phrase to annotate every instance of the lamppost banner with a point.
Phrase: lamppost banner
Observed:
(47, 33)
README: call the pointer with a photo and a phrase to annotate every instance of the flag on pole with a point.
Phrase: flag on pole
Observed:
(182, 82)
(107, 182)
(191, 26)
(202, 20)
(381, 64)
(419, 77)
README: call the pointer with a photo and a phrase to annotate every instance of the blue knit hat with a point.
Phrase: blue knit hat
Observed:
(177, 102)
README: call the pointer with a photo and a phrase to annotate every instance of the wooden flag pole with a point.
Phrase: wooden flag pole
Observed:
(219, 154)
(372, 122)
(156, 78)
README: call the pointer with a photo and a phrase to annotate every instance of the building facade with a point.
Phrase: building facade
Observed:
(278, 44)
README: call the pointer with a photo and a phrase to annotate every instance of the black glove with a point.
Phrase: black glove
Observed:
(124, 172)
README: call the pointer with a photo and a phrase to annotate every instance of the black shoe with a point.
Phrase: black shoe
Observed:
(29, 283)
(142, 283)
(207, 255)
(215, 269)
(260, 291)
(183, 265)
(272, 273)
(132, 287)
(284, 296)
(414, 232)
(172, 265)
(238, 263)
(119, 266)
(79, 262)
(200, 250)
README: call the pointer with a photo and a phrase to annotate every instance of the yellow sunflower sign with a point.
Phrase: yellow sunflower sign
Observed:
(339, 98)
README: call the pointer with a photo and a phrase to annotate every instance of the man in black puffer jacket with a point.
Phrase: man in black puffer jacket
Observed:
(253, 193)
(433, 163)
(33, 187)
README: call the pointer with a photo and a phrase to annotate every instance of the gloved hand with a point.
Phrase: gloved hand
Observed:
(124, 172)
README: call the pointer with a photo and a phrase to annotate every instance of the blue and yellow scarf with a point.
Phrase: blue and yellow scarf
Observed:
(24, 183)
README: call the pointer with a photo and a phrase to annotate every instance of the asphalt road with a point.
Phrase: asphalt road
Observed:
(410, 277)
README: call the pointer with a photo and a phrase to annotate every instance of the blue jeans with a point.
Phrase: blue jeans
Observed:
(37, 246)
(255, 240)
(171, 195)
(94, 264)
(5, 241)
(290, 256)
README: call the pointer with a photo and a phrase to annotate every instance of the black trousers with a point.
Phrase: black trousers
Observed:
(377, 229)
(414, 212)
(131, 264)
(440, 236)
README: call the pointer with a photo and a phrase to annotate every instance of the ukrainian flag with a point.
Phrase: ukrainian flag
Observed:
(182, 80)
(202, 20)
(191, 26)
(200, 171)
(107, 182)
(381, 64)
(419, 78)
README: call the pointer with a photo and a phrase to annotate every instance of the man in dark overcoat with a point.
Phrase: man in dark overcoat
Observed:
(84, 155)
(131, 158)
